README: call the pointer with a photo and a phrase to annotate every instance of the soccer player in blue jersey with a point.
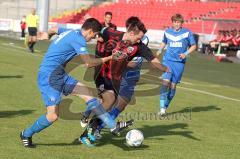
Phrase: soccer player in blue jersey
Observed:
(53, 81)
(180, 43)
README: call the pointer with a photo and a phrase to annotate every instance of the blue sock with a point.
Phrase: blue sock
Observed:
(170, 96)
(113, 113)
(87, 113)
(163, 96)
(40, 124)
(88, 109)
(95, 106)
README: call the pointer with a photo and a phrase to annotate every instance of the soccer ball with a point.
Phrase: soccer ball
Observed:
(134, 138)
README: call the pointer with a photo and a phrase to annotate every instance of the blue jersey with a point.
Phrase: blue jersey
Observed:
(134, 73)
(130, 79)
(177, 42)
(67, 45)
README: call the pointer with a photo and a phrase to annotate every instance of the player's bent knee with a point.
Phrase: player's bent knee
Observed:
(173, 86)
(107, 104)
(52, 117)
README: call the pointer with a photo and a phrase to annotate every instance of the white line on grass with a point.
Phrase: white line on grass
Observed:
(18, 47)
(190, 89)
(32, 54)
(194, 84)
(201, 91)
(187, 83)
(209, 93)
(22, 49)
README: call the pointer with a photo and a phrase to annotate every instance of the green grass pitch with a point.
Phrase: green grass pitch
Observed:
(203, 120)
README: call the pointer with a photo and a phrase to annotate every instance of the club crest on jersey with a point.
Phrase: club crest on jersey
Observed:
(130, 49)
(175, 44)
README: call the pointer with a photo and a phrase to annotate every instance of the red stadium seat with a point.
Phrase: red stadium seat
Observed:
(156, 13)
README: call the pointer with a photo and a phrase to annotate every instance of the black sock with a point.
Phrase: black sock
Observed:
(32, 44)
(29, 44)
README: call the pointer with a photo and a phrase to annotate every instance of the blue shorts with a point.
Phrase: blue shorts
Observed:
(53, 86)
(176, 68)
(128, 84)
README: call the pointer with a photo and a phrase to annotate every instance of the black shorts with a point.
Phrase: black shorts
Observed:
(104, 84)
(32, 31)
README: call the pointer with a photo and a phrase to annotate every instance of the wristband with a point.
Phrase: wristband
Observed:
(186, 53)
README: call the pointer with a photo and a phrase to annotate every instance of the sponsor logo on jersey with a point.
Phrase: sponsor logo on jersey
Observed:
(175, 44)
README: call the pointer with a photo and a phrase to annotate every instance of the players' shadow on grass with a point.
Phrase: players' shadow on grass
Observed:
(157, 132)
(73, 143)
(10, 114)
(16, 76)
(120, 142)
(196, 109)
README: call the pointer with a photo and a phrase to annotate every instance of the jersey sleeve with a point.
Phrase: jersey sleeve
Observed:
(138, 60)
(164, 40)
(191, 38)
(105, 33)
(80, 46)
(145, 52)
(61, 30)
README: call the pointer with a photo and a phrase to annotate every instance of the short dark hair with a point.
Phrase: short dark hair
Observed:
(131, 20)
(108, 13)
(135, 25)
(93, 24)
(177, 17)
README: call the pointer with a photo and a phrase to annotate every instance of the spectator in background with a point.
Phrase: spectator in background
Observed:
(211, 46)
(228, 38)
(23, 27)
(220, 37)
(107, 21)
(32, 21)
(238, 38)
(235, 40)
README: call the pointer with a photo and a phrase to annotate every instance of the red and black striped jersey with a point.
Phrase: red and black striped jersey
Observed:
(122, 51)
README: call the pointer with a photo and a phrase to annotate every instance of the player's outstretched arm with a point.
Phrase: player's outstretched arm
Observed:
(46, 35)
(160, 50)
(42, 36)
(92, 61)
(53, 30)
(155, 62)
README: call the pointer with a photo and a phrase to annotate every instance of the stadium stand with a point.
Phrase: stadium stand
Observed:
(156, 13)
(14, 9)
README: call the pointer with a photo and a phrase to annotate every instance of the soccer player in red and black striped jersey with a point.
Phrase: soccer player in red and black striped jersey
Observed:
(124, 46)
(101, 51)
